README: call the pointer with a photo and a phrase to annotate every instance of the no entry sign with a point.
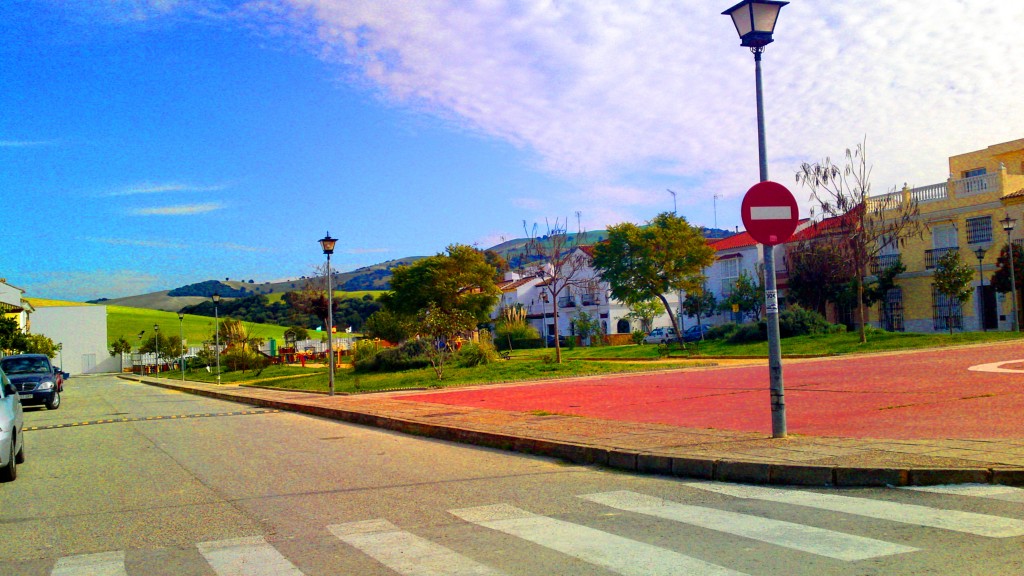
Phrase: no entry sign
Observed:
(769, 213)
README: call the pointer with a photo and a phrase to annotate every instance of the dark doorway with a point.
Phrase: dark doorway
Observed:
(989, 316)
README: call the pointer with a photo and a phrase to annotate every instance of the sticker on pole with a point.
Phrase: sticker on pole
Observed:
(770, 213)
(771, 302)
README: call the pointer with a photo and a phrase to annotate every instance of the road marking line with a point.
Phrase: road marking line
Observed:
(996, 367)
(251, 556)
(990, 491)
(407, 553)
(954, 520)
(616, 553)
(780, 533)
(102, 564)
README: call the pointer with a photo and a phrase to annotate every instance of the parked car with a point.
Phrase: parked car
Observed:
(35, 378)
(12, 424)
(661, 335)
(696, 332)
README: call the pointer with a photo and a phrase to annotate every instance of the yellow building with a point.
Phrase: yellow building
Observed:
(963, 214)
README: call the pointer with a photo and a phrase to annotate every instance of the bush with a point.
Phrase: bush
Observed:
(515, 331)
(521, 344)
(365, 351)
(477, 353)
(753, 332)
(238, 359)
(797, 321)
(722, 332)
(406, 356)
(638, 336)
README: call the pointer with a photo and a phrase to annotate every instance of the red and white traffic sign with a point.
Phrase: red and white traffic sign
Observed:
(770, 213)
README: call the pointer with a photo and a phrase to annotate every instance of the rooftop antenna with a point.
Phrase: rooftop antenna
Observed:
(674, 209)
(714, 204)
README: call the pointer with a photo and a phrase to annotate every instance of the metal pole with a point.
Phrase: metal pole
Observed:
(1013, 280)
(156, 338)
(181, 338)
(981, 291)
(216, 336)
(778, 398)
(330, 330)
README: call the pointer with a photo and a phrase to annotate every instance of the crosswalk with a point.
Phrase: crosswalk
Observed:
(406, 553)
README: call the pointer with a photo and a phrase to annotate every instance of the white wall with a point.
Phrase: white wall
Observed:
(83, 332)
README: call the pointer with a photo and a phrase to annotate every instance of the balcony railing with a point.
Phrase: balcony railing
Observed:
(883, 262)
(566, 302)
(976, 184)
(931, 257)
(591, 299)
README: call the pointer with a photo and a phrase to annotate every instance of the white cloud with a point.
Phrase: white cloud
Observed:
(603, 91)
(231, 246)
(26, 143)
(366, 251)
(180, 210)
(93, 284)
(152, 188)
(134, 242)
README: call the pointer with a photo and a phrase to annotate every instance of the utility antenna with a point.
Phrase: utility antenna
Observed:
(674, 209)
(714, 204)
(578, 225)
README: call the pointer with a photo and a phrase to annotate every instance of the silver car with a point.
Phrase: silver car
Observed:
(12, 426)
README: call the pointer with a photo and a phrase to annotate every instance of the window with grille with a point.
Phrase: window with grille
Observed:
(979, 230)
(946, 311)
(892, 310)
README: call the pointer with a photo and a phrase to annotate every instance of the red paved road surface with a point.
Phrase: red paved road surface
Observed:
(929, 394)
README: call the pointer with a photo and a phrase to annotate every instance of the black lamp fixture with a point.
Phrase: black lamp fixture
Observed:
(327, 243)
(755, 21)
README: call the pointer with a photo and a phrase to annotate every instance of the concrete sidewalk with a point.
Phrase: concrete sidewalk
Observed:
(658, 449)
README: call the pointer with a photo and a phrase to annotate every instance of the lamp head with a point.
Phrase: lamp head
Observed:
(327, 243)
(216, 298)
(181, 316)
(755, 21)
(980, 252)
(1008, 223)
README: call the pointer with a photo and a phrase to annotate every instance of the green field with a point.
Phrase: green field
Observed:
(127, 322)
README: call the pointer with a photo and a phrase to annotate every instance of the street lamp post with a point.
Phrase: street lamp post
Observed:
(140, 353)
(181, 339)
(755, 24)
(980, 253)
(156, 340)
(327, 243)
(1008, 225)
(216, 332)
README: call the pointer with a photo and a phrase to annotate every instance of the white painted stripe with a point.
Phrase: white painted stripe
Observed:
(102, 564)
(771, 212)
(616, 553)
(997, 367)
(788, 534)
(968, 522)
(407, 553)
(251, 556)
(990, 491)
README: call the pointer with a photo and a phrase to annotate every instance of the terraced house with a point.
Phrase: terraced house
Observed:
(965, 213)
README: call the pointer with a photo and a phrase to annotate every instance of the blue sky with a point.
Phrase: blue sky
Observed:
(149, 144)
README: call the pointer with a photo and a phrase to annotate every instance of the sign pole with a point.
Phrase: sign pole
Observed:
(771, 303)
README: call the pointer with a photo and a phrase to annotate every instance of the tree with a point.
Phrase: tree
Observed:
(585, 326)
(459, 279)
(387, 325)
(39, 344)
(747, 295)
(865, 226)
(12, 339)
(560, 261)
(639, 263)
(700, 303)
(1001, 277)
(644, 312)
(953, 280)
(818, 274)
(120, 347)
(442, 328)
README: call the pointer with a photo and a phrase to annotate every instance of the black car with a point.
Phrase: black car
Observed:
(696, 332)
(35, 378)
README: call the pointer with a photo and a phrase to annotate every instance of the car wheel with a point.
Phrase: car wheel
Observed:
(20, 456)
(54, 402)
(10, 472)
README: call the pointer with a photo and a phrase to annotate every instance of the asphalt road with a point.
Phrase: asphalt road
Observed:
(178, 484)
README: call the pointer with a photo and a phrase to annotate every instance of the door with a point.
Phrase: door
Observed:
(989, 316)
(88, 363)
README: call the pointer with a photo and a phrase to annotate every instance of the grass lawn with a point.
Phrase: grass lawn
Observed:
(348, 381)
(537, 364)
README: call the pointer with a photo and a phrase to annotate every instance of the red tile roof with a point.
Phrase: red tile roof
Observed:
(733, 242)
(511, 285)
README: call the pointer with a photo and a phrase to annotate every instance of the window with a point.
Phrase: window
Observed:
(730, 273)
(979, 230)
(892, 310)
(974, 172)
(946, 311)
(944, 236)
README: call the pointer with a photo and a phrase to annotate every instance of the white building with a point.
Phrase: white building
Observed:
(82, 332)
